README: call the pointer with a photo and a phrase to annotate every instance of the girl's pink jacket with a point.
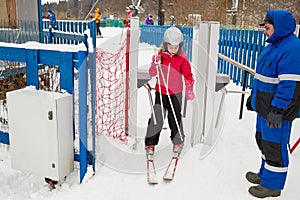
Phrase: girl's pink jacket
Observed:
(174, 69)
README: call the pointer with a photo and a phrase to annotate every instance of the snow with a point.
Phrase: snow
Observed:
(217, 176)
(52, 47)
(49, 1)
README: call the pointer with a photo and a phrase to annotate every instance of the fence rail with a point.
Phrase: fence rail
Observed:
(21, 31)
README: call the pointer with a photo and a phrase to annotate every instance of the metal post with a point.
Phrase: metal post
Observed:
(50, 35)
(132, 81)
(243, 94)
(32, 77)
(127, 81)
(82, 79)
(159, 13)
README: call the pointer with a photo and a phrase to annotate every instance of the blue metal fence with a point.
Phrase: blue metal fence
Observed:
(34, 58)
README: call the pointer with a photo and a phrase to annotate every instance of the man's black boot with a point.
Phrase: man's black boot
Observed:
(252, 177)
(263, 192)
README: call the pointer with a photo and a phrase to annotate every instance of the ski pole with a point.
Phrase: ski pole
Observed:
(171, 103)
(184, 108)
(157, 65)
(147, 86)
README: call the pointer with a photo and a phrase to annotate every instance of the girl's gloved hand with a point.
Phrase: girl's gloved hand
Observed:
(189, 94)
(156, 59)
(152, 70)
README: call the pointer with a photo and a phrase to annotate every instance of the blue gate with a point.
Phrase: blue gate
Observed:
(80, 55)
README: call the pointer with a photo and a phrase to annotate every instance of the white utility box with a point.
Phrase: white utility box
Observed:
(41, 132)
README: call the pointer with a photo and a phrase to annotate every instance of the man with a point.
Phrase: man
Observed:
(52, 17)
(276, 99)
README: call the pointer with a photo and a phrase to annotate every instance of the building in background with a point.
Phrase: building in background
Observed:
(20, 17)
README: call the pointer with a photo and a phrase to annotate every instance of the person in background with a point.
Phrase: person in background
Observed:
(149, 20)
(97, 16)
(161, 17)
(172, 21)
(170, 66)
(275, 97)
(52, 17)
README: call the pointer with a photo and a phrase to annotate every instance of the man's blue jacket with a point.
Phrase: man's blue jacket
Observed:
(276, 83)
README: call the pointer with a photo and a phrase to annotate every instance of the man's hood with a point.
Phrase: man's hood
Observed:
(284, 24)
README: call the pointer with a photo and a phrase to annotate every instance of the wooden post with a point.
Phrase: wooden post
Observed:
(11, 13)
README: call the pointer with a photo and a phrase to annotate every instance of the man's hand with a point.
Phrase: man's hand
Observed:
(248, 103)
(274, 118)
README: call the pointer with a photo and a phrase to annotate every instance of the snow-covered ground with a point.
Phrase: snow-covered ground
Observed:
(218, 176)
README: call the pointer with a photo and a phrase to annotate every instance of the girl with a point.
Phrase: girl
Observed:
(170, 65)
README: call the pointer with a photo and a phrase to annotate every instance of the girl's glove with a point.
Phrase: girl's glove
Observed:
(155, 62)
(156, 59)
(152, 70)
(189, 94)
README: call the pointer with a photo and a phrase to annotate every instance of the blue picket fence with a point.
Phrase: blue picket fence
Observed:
(19, 31)
(66, 32)
(243, 46)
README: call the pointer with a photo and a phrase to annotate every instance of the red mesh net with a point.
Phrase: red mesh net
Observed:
(111, 92)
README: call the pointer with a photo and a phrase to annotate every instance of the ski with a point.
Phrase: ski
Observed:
(151, 173)
(170, 171)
